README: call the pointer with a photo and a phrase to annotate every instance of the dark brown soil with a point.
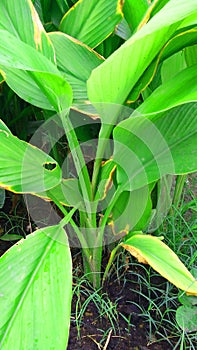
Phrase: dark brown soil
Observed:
(130, 329)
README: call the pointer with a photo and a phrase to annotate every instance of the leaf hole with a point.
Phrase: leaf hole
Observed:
(49, 166)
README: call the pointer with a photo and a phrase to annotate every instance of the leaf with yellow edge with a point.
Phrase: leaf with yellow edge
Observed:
(151, 250)
(20, 19)
(23, 167)
(92, 21)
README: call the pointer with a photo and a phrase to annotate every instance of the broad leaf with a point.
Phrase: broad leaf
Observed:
(145, 149)
(132, 211)
(92, 21)
(67, 193)
(20, 19)
(31, 75)
(191, 55)
(106, 83)
(23, 168)
(172, 66)
(174, 45)
(151, 250)
(162, 199)
(186, 317)
(134, 11)
(178, 90)
(76, 61)
(35, 292)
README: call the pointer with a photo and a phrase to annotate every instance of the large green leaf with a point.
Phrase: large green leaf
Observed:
(134, 11)
(178, 90)
(20, 19)
(92, 21)
(145, 149)
(66, 192)
(132, 211)
(150, 250)
(35, 292)
(172, 66)
(115, 78)
(23, 168)
(76, 61)
(191, 55)
(178, 42)
(31, 75)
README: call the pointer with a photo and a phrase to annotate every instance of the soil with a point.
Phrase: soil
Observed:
(98, 333)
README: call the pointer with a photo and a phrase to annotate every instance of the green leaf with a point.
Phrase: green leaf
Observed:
(31, 75)
(191, 55)
(20, 19)
(163, 201)
(106, 83)
(23, 167)
(145, 149)
(134, 11)
(178, 42)
(187, 300)
(105, 181)
(67, 193)
(173, 65)
(157, 6)
(35, 292)
(151, 250)
(92, 21)
(178, 90)
(186, 317)
(76, 61)
(10, 237)
(51, 12)
(132, 211)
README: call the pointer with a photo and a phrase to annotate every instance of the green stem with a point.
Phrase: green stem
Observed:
(110, 207)
(80, 236)
(111, 258)
(79, 162)
(103, 140)
(97, 251)
(180, 181)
